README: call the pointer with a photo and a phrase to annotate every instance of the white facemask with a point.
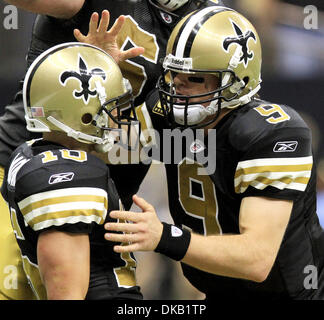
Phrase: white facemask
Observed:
(196, 113)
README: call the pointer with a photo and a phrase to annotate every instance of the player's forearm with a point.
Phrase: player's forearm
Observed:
(247, 255)
(63, 9)
(236, 256)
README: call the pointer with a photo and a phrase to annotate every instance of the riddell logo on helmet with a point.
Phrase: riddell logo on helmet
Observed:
(177, 62)
(172, 61)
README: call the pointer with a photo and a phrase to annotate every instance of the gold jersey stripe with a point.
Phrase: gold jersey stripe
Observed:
(64, 199)
(147, 132)
(264, 182)
(61, 207)
(279, 185)
(68, 216)
(80, 191)
(274, 161)
(273, 168)
(140, 116)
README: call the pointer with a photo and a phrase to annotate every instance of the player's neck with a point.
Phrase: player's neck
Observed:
(68, 142)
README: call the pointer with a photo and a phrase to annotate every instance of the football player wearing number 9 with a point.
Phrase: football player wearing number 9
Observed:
(147, 24)
(248, 230)
(59, 194)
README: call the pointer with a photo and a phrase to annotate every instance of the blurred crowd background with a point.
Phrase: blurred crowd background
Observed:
(292, 36)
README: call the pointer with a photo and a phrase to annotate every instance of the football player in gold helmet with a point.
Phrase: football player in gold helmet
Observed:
(59, 193)
(147, 24)
(101, 105)
(230, 61)
(248, 229)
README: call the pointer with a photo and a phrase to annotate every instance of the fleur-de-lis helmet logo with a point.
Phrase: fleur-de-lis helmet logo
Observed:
(241, 40)
(84, 76)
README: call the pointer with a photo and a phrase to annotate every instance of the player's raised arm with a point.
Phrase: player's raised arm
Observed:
(63, 9)
(99, 35)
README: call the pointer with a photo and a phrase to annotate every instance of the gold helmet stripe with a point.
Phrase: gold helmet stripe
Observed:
(183, 43)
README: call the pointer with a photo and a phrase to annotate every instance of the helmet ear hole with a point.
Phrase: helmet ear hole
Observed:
(246, 80)
(87, 118)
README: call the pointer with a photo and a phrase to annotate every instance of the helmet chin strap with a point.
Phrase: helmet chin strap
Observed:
(103, 144)
(242, 100)
(107, 145)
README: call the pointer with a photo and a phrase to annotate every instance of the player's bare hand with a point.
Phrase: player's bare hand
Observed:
(143, 234)
(99, 35)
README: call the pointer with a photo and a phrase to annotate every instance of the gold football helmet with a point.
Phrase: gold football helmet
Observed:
(217, 41)
(78, 89)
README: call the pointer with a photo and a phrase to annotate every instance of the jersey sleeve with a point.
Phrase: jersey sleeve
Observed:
(64, 195)
(275, 158)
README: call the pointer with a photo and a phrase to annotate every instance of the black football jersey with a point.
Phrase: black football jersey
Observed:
(50, 187)
(259, 149)
(145, 26)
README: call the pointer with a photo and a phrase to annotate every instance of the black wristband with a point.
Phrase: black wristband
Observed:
(174, 242)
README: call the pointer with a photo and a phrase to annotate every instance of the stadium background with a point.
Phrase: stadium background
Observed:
(293, 73)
